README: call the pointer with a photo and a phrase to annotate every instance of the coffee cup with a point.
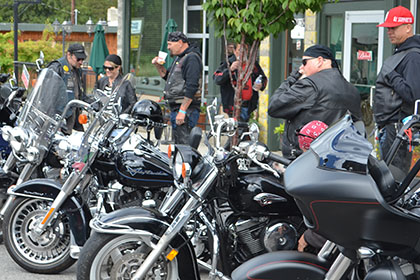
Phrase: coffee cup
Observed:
(162, 57)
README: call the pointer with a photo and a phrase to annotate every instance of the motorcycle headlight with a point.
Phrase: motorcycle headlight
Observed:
(181, 169)
(5, 132)
(18, 139)
(33, 154)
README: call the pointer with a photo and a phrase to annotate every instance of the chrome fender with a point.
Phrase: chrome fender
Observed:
(46, 189)
(148, 224)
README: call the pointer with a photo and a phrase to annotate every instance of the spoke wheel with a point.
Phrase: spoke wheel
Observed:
(48, 252)
(118, 257)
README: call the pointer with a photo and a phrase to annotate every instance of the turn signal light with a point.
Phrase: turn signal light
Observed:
(170, 151)
(83, 119)
(184, 171)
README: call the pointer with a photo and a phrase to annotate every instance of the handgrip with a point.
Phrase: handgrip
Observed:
(279, 159)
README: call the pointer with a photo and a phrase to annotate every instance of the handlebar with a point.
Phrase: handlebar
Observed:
(278, 158)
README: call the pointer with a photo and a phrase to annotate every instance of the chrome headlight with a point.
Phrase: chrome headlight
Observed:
(5, 132)
(33, 154)
(181, 169)
(19, 139)
(177, 166)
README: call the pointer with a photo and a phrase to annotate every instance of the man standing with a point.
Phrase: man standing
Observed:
(183, 85)
(397, 86)
(316, 91)
(68, 67)
(249, 92)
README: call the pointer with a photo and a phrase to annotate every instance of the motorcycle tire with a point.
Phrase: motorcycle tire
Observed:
(112, 256)
(48, 253)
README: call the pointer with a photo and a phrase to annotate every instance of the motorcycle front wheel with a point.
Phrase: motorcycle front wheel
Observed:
(46, 253)
(111, 256)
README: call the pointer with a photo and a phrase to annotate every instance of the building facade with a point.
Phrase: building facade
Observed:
(347, 27)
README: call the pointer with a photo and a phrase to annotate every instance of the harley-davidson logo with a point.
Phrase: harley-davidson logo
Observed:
(141, 171)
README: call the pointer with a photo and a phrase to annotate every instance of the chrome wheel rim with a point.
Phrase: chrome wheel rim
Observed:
(49, 247)
(122, 256)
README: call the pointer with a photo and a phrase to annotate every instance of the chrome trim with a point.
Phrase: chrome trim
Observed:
(265, 199)
(75, 251)
(327, 249)
(207, 267)
(12, 193)
(338, 268)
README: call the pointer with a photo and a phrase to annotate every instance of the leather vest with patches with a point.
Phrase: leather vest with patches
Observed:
(174, 90)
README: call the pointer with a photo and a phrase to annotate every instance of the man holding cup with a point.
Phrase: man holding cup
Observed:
(183, 84)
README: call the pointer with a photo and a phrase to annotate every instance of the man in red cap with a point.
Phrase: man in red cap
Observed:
(397, 86)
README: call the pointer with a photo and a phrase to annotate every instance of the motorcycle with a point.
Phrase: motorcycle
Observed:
(351, 198)
(144, 244)
(10, 102)
(47, 223)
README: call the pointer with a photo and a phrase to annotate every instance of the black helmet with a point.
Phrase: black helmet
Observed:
(149, 109)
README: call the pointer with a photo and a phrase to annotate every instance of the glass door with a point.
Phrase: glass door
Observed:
(362, 55)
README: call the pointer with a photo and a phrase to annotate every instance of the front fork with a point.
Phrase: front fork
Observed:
(175, 227)
(64, 193)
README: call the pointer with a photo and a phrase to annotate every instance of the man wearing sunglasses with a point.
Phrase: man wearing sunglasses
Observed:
(316, 91)
(68, 67)
(183, 85)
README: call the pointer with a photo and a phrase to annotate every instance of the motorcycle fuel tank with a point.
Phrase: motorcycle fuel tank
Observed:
(139, 168)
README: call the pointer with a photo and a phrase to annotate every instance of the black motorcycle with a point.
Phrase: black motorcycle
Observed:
(239, 200)
(47, 223)
(348, 196)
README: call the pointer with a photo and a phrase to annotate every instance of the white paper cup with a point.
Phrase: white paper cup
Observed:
(162, 57)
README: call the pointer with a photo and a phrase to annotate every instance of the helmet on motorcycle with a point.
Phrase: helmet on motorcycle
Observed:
(309, 132)
(147, 109)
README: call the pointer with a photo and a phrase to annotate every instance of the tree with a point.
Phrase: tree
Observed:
(249, 22)
(48, 10)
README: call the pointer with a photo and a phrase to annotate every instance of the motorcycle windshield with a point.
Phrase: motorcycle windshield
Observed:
(343, 147)
(47, 99)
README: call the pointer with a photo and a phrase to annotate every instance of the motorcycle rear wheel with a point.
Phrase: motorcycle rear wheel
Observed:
(111, 256)
(48, 253)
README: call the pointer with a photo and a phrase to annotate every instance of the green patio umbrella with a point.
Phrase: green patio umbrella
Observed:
(169, 27)
(99, 50)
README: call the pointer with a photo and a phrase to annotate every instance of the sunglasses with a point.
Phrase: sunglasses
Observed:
(304, 61)
(108, 68)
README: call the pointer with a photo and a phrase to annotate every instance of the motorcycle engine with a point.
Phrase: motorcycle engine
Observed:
(255, 236)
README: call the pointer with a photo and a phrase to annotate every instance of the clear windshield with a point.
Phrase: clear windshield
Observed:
(47, 99)
(343, 147)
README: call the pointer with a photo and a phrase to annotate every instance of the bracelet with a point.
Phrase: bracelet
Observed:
(182, 111)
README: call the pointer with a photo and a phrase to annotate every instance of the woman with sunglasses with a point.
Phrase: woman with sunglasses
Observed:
(317, 90)
(112, 79)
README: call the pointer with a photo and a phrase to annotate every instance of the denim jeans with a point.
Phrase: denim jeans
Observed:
(181, 133)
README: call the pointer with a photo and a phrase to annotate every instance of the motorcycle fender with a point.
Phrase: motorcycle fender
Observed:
(78, 214)
(288, 264)
(132, 220)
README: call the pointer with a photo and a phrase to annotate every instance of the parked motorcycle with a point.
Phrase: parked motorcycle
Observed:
(47, 224)
(145, 244)
(10, 102)
(348, 196)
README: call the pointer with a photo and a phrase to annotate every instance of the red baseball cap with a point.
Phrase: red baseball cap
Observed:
(397, 16)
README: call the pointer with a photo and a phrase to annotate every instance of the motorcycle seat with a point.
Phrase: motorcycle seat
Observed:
(383, 178)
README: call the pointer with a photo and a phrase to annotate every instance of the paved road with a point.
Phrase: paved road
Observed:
(9, 270)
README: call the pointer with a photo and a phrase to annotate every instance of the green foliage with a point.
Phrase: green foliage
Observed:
(28, 50)
(256, 19)
(48, 10)
(279, 130)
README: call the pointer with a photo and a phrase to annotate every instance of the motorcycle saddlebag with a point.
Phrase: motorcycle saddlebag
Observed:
(288, 264)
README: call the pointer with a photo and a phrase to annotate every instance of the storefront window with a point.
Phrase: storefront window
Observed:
(335, 37)
(146, 36)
